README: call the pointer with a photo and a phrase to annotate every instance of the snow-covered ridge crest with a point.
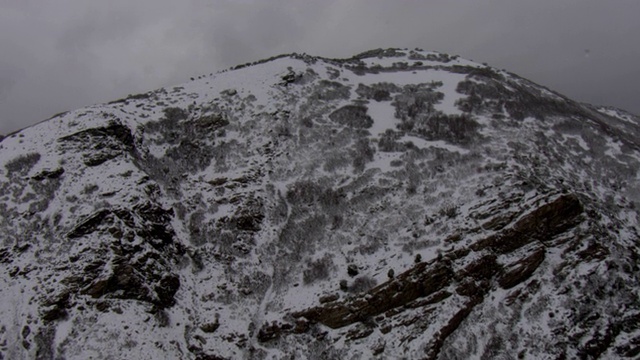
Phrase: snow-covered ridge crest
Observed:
(399, 203)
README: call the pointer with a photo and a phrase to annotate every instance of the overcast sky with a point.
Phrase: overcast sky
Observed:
(58, 55)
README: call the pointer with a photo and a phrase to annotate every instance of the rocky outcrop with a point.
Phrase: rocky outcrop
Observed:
(134, 261)
(101, 144)
(473, 275)
(419, 282)
(521, 270)
(540, 224)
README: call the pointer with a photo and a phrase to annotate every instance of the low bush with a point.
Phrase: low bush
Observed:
(22, 164)
(352, 115)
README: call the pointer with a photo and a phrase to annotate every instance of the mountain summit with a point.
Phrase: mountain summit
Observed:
(397, 204)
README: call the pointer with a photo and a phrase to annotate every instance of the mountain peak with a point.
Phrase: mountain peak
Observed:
(398, 203)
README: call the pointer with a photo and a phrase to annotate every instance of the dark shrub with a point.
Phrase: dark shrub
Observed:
(388, 142)
(175, 114)
(352, 115)
(303, 192)
(380, 53)
(317, 270)
(331, 90)
(23, 163)
(378, 92)
(344, 285)
(457, 129)
(362, 154)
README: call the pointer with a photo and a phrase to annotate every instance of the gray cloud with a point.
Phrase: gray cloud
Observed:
(70, 53)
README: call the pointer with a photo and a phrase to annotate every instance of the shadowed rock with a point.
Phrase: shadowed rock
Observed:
(422, 280)
(540, 224)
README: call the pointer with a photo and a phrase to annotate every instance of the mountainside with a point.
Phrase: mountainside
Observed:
(398, 204)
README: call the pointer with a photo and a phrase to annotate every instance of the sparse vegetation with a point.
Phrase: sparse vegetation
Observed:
(22, 164)
(318, 270)
(362, 284)
(449, 210)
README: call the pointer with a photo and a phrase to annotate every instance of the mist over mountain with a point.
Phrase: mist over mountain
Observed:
(396, 204)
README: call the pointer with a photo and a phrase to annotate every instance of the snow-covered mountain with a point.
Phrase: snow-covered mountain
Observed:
(397, 204)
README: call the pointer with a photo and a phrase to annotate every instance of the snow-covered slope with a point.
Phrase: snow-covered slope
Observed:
(398, 204)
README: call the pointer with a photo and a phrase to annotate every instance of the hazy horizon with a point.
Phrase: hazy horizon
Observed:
(70, 54)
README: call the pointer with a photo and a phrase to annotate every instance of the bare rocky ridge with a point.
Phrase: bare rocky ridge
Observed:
(397, 204)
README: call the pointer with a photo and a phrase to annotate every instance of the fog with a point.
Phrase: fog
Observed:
(66, 54)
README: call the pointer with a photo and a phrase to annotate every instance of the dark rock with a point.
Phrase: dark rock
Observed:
(600, 342)
(594, 251)
(218, 181)
(155, 223)
(498, 222)
(630, 350)
(420, 281)
(484, 268)
(544, 222)
(328, 298)
(521, 270)
(471, 289)
(55, 308)
(630, 323)
(125, 282)
(452, 325)
(6, 257)
(359, 332)
(273, 331)
(290, 78)
(103, 306)
(378, 348)
(210, 327)
(301, 326)
(352, 270)
(166, 289)
(431, 299)
(26, 330)
(101, 144)
(89, 224)
(49, 174)
(128, 270)
(209, 357)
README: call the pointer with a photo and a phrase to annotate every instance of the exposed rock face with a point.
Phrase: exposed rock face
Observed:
(398, 204)
(100, 144)
(426, 285)
(543, 223)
